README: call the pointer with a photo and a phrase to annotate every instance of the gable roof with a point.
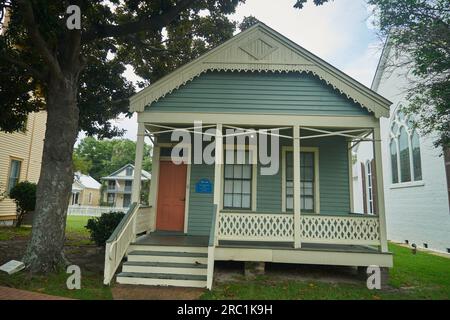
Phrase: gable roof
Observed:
(257, 49)
(115, 175)
(86, 181)
(384, 58)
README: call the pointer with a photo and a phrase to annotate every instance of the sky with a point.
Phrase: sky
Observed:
(339, 32)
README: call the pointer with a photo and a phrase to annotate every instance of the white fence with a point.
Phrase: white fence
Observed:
(92, 211)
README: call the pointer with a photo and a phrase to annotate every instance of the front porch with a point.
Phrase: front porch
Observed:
(290, 218)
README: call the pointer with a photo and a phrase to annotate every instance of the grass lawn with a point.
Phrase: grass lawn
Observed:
(420, 276)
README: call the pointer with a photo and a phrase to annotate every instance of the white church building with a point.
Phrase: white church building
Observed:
(416, 174)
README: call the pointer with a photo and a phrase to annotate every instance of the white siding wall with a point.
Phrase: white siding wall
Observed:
(418, 214)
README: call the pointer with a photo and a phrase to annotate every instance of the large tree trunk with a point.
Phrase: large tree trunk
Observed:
(45, 249)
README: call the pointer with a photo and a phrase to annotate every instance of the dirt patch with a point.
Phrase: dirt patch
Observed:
(88, 257)
(137, 292)
(234, 272)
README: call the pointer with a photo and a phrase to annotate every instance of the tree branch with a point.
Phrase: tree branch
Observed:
(33, 72)
(36, 37)
(144, 24)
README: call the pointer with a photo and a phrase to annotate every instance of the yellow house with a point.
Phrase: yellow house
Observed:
(85, 191)
(20, 160)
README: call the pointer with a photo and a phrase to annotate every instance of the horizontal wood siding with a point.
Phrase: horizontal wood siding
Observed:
(25, 146)
(266, 93)
(200, 204)
(333, 180)
(333, 174)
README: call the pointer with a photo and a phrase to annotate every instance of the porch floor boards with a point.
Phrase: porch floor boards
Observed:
(159, 238)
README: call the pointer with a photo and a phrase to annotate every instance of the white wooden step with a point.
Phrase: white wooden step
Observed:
(164, 267)
(146, 247)
(164, 256)
(195, 281)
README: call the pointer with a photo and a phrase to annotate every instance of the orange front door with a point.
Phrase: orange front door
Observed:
(171, 196)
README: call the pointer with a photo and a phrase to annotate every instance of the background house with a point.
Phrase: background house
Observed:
(86, 191)
(416, 174)
(119, 185)
(20, 160)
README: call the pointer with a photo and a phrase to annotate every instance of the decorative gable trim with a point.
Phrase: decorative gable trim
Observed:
(261, 49)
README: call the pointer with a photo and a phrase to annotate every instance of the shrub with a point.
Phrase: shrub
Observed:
(24, 195)
(101, 228)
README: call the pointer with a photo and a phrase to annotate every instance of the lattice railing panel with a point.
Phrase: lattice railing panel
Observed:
(255, 227)
(339, 230)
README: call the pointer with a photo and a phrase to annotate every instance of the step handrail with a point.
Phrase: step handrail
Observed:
(211, 249)
(122, 236)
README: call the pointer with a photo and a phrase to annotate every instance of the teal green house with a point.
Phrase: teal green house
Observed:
(251, 162)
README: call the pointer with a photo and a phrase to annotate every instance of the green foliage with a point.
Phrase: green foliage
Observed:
(419, 32)
(107, 156)
(102, 227)
(24, 195)
(81, 164)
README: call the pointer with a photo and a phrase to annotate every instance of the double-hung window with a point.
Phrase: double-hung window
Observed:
(307, 181)
(238, 180)
(14, 174)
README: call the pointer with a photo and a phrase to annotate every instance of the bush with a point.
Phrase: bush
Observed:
(102, 227)
(24, 194)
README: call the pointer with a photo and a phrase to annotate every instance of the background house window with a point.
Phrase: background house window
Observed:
(307, 181)
(90, 198)
(128, 185)
(14, 174)
(129, 171)
(110, 198)
(237, 180)
(404, 149)
(111, 185)
(126, 200)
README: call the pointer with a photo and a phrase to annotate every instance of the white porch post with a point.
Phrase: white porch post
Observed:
(297, 210)
(136, 189)
(152, 201)
(218, 175)
(380, 187)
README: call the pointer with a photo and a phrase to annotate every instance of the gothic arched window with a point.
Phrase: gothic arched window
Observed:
(404, 149)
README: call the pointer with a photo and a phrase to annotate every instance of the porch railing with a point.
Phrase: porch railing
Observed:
(314, 228)
(118, 243)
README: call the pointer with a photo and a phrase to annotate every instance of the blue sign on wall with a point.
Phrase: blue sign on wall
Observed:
(203, 186)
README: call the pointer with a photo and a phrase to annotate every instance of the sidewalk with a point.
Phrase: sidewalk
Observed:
(16, 294)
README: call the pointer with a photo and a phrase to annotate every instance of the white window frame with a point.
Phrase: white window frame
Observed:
(395, 137)
(369, 189)
(254, 153)
(8, 182)
(315, 150)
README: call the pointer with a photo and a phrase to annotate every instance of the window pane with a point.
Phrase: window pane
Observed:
(237, 171)
(237, 186)
(228, 186)
(405, 170)
(229, 156)
(246, 201)
(394, 167)
(416, 156)
(247, 172)
(237, 201)
(228, 171)
(289, 203)
(289, 173)
(246, 187)
(240, 156)
(308, 203)
(14, 174)
(228, 200)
